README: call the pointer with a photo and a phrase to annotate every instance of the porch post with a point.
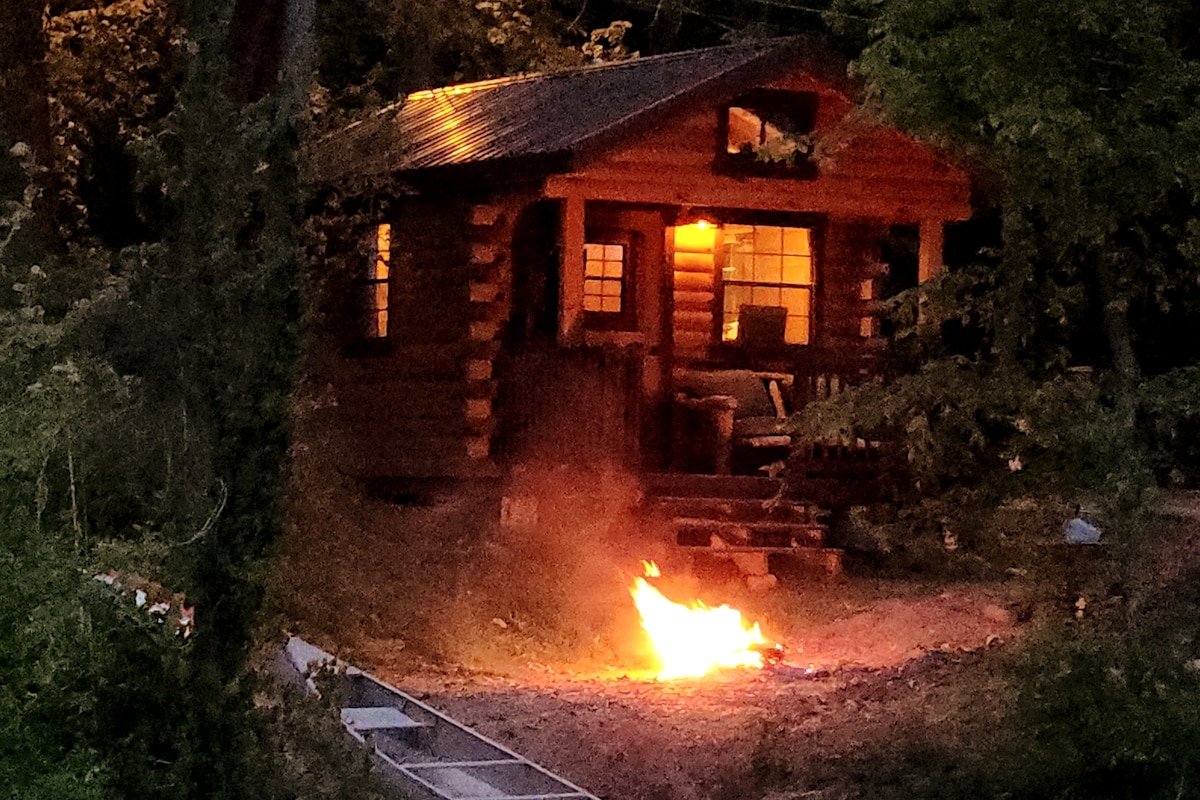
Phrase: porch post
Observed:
(570, 270)
(931, 255)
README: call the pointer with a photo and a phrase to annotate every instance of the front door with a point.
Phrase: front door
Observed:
(580, 404)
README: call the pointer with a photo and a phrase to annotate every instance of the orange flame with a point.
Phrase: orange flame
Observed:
(691, 642)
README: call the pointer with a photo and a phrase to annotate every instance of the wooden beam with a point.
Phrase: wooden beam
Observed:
(894, 201)
(570, 270)
(931, 255)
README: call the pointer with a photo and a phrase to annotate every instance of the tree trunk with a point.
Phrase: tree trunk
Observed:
(1115, 320)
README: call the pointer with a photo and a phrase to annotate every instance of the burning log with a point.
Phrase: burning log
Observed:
(772, 654)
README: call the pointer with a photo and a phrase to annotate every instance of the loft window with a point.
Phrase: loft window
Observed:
(767, 272)
(768, 132)
(379, 274)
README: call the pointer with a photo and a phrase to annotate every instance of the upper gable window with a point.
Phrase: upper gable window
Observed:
(769, 132)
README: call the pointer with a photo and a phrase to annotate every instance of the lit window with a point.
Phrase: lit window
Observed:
(867, 326)
(770, 132)
(604, 278)
(766, 266)
(378, 274)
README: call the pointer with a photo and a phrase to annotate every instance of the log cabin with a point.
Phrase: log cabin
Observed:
(648, 262)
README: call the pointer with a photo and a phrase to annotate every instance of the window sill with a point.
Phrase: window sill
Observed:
(618, 338)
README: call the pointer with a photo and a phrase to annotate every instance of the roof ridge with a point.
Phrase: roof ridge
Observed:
(509, 80)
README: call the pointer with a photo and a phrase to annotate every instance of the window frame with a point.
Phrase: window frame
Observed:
(812, 287)
(801, 106)
(373, 281)
(626, 318)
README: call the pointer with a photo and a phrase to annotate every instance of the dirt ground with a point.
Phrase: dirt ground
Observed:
(527, 633)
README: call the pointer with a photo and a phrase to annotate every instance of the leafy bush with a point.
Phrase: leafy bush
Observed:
(1109, 717)
(47, 729)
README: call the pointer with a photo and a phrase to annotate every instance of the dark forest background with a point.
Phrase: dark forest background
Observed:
(153, 305)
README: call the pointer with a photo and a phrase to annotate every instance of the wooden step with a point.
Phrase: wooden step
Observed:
(734, 509)
(736, 487)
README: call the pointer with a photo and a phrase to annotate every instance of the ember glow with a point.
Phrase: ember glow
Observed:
(692, 641)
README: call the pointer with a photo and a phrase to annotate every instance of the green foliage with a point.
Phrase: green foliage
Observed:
(1086, 111)
(1024, 373)
(608, 43)
(47, 732)
(304, 751)
(374, 51)
(1110, 715)
(1171, 419)
(955, 425)
(144, 398)
(112, 73)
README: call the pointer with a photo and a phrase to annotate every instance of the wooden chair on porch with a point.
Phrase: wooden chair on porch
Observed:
(723, 418)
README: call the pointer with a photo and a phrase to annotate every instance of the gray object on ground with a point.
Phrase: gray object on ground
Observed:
(1080, 531)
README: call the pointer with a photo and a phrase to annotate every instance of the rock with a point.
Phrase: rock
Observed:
(761, 583)
(997, 614)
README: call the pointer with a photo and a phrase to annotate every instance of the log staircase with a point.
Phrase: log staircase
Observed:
(748, 520)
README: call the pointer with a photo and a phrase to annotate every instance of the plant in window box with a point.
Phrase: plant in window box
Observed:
(785, 149)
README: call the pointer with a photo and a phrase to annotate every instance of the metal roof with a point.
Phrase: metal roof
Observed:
(527, 115)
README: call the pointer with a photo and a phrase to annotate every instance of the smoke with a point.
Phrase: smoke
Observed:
(551, 580)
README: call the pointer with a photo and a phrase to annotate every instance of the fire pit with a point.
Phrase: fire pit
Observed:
(691, 641)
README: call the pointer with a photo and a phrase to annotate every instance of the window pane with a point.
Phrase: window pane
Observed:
(611, 304)
(614, 252)
(613, 269)
(796, 301)
(729, 328)
(767, 268)
(611, 289)
(797, 270)
(772, 266)
(745, 130)
(381, 296)
(796, 241)
(593, 252)
(593, 268)
(591, 303)
(735, 296)
(768, 239)
(737, 265)
(796, 331)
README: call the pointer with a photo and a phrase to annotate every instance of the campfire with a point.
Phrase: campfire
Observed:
(692, 641)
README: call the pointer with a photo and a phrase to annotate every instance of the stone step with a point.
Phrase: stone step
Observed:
(718, 534)
(760, 566)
